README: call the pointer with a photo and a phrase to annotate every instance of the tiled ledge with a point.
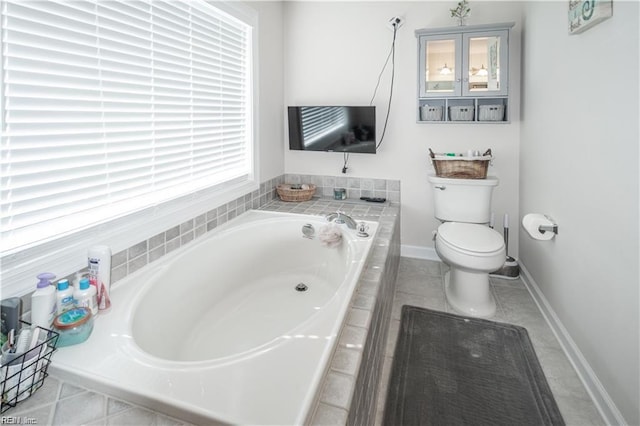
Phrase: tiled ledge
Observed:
(356, 187)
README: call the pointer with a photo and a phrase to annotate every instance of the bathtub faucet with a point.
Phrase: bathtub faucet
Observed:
(341, 217)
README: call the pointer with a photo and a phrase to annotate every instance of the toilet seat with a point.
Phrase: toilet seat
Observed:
(470, 238)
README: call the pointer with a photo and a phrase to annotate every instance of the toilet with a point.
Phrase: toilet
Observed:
(465, 242)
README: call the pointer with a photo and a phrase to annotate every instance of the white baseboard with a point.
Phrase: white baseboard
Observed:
(419, 252)
(598, 393)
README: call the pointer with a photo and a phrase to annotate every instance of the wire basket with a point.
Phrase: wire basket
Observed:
(25, 373)
(295, 192)
(461, 167)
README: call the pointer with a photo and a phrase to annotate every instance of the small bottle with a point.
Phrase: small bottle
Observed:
(86, 296)
(99, 258)
(43, 301)
(64, 297)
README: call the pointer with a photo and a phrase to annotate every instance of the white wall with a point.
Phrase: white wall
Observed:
(579, 164)
(270, 88)
(334, 52)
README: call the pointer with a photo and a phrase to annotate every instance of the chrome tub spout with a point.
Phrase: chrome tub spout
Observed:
(340, 218)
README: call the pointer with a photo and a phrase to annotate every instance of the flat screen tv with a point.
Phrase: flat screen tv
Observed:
(332, 128)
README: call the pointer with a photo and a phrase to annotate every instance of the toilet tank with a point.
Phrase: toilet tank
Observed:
(462, 200)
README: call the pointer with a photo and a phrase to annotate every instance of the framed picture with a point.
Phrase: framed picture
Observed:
(584, 14)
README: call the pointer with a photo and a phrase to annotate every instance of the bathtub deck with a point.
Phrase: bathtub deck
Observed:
(60, 401)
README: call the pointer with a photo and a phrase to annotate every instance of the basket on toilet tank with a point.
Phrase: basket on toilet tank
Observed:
(461, 167)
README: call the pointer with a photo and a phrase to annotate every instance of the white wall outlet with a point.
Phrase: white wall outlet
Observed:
(396, 21)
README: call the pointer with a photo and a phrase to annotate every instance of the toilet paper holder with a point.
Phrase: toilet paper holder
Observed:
(549, 228)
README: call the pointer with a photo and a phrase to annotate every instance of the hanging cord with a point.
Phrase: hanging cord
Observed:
(392, 55)
(382, 71)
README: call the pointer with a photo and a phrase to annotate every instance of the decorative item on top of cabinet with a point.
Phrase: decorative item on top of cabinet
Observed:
(461, 12)
(464, 72)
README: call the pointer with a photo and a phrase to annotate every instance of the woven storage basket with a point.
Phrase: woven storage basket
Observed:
(286, 193)
(431, 113)
(461, 167)
(491, 113)
(461, 113)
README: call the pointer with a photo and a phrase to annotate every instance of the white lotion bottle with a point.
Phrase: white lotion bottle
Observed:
(99, 258)
(43, 301)
(86, 296)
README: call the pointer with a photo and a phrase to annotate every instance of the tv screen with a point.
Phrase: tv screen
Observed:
(332, 128)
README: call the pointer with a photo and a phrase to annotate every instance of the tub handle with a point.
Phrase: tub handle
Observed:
(308, 231)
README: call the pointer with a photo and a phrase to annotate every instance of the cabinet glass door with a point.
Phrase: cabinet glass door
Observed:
(440, 66)
(486, 64)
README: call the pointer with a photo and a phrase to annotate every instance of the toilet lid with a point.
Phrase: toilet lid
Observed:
(471, 237)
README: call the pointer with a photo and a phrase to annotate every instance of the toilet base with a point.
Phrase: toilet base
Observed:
(469, 294)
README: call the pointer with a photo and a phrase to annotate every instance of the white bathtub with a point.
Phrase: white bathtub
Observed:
(216, 332)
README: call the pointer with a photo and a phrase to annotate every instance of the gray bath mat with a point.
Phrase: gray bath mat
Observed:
(453, 370)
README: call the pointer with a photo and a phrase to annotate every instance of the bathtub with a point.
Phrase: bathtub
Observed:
(218, 332)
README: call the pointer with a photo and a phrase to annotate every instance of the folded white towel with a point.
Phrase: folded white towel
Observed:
(330, 235)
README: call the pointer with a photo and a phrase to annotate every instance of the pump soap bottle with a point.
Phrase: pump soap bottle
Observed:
(43, 301)
(64, 297)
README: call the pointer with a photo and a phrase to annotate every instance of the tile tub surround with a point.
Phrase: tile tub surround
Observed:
(135, 257)
(356, 187)
(360, 339)
(349, 389)
(421, 283)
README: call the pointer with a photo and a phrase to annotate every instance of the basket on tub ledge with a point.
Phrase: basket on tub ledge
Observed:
(295, 192)
(459, 167)
(23, 373)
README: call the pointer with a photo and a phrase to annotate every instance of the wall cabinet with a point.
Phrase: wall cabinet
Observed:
(463, 73)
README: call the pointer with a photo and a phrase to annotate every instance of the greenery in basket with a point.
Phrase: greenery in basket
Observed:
(461, 11)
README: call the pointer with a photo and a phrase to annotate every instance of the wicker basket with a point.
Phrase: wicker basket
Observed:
(288, 193)
(461, 167)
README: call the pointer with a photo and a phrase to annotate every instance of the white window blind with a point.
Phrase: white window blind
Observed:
(320, 121)
(109, 107)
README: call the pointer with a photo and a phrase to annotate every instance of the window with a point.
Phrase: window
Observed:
(110, 107)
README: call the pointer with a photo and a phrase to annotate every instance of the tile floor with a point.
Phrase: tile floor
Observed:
(420, 283)
(60, 403)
